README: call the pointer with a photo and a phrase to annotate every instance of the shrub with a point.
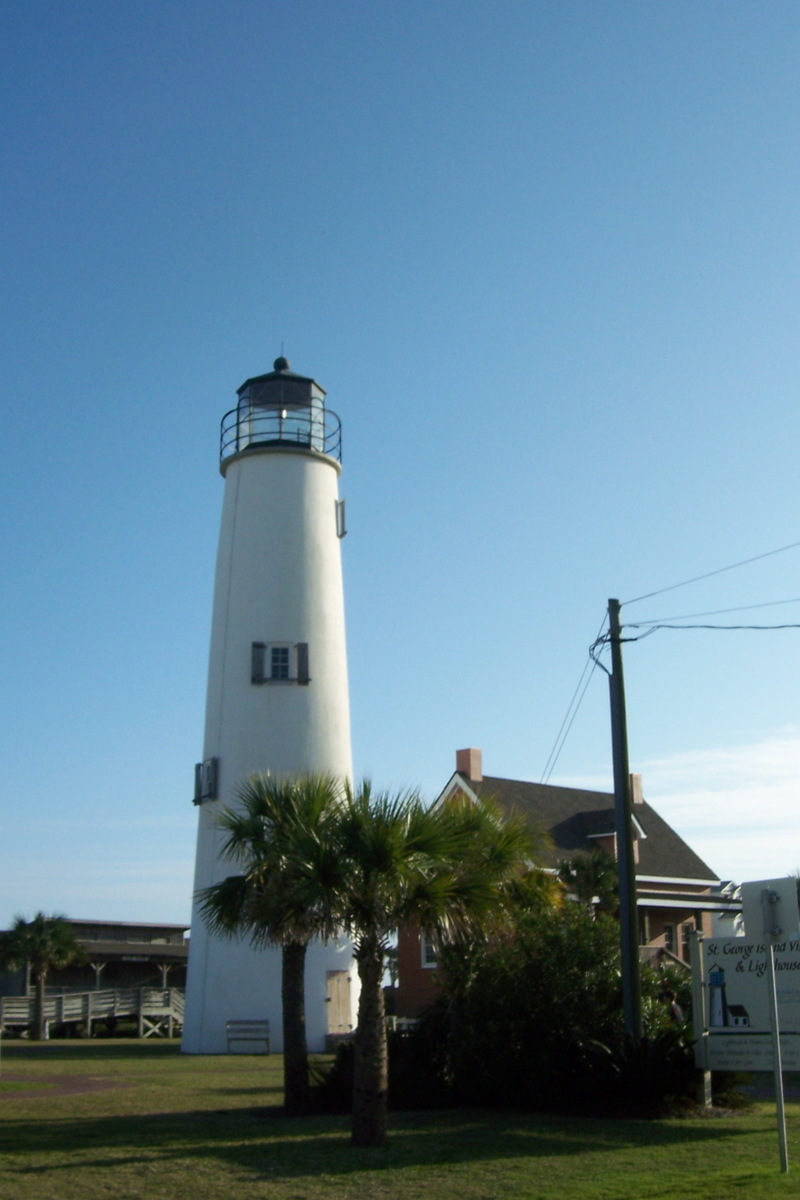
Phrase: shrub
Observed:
(648, 1078)
(414, 1082)
(536, 1021)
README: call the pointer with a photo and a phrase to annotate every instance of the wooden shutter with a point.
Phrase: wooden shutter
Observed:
(302, 663)
(205, 780)
(258, 655)
(209, 780)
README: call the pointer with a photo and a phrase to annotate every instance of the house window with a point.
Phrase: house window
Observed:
(669, 938)
(644, 928)
(428, 951)
(687, 930)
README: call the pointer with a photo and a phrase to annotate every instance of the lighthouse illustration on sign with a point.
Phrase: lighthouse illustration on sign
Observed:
(277, 697)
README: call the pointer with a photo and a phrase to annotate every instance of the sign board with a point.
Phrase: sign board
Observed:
(734, 1001)
(748, 992)
(783, 912)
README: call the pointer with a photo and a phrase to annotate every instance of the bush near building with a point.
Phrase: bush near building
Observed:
(534, 1021)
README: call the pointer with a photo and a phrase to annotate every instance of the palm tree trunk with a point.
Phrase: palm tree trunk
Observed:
(39, 1018)
(371, 1068)
(295, 1046)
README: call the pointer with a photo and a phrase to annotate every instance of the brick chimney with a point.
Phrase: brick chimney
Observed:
(470, 763)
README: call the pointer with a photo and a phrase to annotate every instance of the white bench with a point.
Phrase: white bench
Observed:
(247, 1031)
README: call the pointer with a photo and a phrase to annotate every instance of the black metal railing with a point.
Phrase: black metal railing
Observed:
(308, 428)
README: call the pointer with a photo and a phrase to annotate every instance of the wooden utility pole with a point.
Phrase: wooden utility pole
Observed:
(628, 917)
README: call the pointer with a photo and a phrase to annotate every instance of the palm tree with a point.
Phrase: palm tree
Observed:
(443, 869)
(592, 877)
(43, 944)
(282, 836)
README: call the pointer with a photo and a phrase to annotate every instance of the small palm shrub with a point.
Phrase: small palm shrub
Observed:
(648, 1078)
(414, 1081)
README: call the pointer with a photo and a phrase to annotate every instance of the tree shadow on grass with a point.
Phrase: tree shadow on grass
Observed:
(290, 1148)
(83, 1050)
(258, 1090)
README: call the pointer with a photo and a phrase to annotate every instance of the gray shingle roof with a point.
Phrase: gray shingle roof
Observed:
(573, 815)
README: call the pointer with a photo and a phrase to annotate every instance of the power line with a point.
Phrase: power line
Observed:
(653, 628)
(718, 612)
(550, 766)
(720, 570)
(568, 720)
(601, 641)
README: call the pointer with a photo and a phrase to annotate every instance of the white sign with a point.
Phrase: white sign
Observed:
(735, 1004)
(749, 993)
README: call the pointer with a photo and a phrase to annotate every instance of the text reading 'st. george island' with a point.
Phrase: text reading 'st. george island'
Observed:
(277, 682)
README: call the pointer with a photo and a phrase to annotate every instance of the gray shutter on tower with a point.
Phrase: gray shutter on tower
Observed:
(209, 779)
(302, 663)
(257, 662)
(205, 780)
(341, 524)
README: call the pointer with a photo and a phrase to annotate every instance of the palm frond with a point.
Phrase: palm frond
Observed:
(45, 942)
(281, 835)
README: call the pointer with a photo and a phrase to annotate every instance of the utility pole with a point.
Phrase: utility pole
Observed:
(628, 917)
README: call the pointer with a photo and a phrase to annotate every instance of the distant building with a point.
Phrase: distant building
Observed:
(120, 954)
(677, 893)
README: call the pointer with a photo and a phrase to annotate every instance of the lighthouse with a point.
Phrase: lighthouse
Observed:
(277, 698)
(718, 1013)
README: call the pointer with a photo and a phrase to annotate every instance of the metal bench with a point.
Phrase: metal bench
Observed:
(247, 1031)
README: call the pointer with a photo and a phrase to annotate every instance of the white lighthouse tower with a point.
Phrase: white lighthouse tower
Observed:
(277, 682)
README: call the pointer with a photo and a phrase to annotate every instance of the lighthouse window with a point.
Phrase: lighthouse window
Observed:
(279, 662)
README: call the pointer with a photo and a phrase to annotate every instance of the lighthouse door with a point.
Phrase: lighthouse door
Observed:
(338, 1002)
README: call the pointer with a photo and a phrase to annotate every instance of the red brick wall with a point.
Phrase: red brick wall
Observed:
(417, 985)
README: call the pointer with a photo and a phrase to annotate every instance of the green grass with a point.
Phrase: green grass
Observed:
(197, 1128)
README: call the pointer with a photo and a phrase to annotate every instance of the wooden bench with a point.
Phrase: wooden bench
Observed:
(247, 1031)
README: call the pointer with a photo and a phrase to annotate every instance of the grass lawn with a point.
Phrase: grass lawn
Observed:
(142, 1121)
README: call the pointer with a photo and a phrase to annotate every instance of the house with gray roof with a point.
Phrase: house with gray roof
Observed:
(676, 892)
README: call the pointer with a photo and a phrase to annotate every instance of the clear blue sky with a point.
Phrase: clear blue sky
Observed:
(544, 258)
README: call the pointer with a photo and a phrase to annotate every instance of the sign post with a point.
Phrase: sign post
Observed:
(748, 992)
(777, 901)
(769, 900)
